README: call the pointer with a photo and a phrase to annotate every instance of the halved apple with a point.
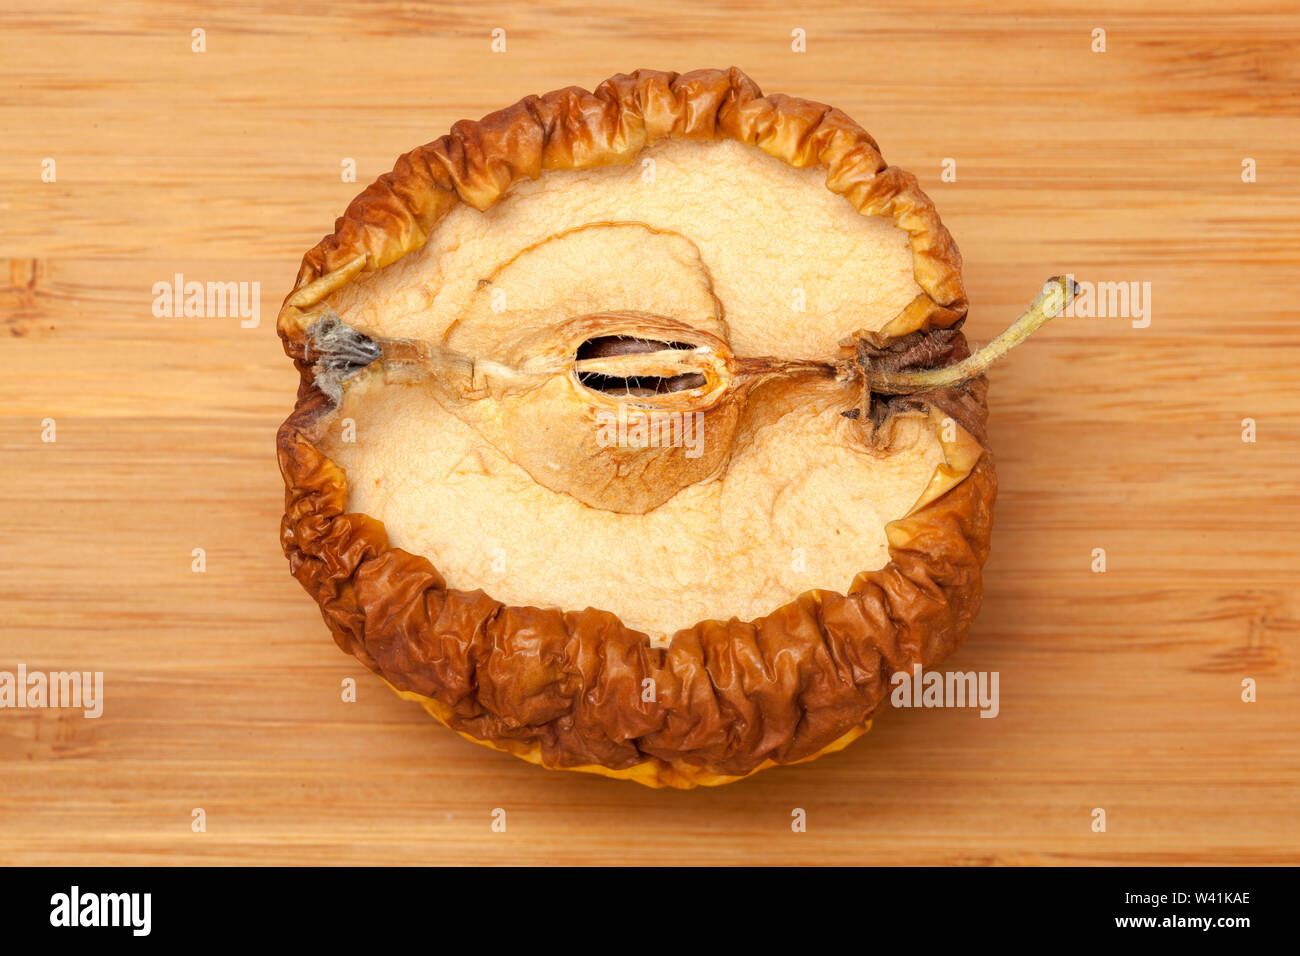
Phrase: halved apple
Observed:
(615, 446)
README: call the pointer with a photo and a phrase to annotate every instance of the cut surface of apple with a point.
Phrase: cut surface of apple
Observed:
(723, 240)
(793, 266)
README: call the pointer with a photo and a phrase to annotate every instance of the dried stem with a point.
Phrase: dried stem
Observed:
(1057, 293)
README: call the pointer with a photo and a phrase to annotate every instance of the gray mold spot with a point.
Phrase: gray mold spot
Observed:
(340, 351)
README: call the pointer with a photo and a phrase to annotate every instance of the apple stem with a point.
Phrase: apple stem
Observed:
(1056, 295)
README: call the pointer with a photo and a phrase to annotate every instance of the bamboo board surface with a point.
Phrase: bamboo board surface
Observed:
(1119, 690)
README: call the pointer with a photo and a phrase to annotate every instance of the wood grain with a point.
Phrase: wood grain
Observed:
(1118, 690)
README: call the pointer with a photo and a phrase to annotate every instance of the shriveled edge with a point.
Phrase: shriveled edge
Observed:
(575, 129)
(649, 773)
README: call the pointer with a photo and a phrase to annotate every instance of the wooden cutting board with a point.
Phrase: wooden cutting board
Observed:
(1119, 690)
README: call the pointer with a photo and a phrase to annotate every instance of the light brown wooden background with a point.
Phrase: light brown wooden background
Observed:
(1119, 690)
